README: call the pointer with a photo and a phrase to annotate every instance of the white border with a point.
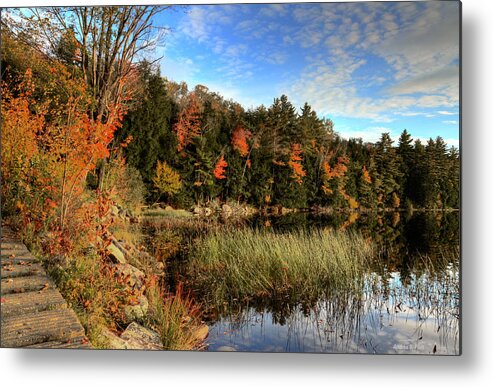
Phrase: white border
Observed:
(78, 368)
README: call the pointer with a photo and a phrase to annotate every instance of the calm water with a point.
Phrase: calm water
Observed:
(410, 303)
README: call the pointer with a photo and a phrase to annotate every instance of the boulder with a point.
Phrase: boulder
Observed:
(114, 210)
(201, 332)
(134, 337)
(226, 210)
(115, 254)
(112, 341)
(136, 312)
(138, 337)
(225, 348)
(132, 276)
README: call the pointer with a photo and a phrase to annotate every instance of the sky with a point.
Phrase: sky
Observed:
(370, 67)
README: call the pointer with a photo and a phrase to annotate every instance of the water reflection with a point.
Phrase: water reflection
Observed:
(388, 317)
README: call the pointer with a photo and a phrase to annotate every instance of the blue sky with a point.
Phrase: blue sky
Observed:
(370, 67)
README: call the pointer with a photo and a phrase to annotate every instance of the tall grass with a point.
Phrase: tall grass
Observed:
(300, 265)
(176, 318)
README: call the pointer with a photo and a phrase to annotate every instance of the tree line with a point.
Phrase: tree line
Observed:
(152, 139)
(214, 148)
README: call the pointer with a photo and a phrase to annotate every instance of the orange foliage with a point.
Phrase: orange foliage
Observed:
(366, 175)
(189, 125)
(334, 176)
(295, 163)
(239, 140)
(220, 169)
(48, 149)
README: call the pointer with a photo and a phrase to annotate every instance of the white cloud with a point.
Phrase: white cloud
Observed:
(195, 25)
(421, 52)
(368, 134)
(446, 113)
(451, 122)
(179, 69)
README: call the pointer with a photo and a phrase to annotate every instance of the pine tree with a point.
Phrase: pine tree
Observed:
(387, 164)
(149, 126)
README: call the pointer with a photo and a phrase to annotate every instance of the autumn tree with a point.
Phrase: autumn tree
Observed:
(189, 125)
(220, 168)
(295, 163)
(166, 181)
(239, 140)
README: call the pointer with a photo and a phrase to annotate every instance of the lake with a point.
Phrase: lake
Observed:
(409, 303)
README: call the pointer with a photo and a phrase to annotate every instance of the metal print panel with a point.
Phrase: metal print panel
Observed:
(233, 177)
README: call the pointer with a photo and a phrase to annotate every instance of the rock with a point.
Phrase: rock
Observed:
(114, 210)
(226, 210)
(138, 337)
(131, 275)
(225, 348)
(136, 312)
(112, 340)
(201, 332)
(115, 254)
(134, 337)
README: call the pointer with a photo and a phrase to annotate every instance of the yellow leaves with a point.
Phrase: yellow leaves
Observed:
(396, 201)
(167, 181)
(353, 204)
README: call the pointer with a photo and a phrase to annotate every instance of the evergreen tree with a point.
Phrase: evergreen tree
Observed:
(149, 126)
(387, 164)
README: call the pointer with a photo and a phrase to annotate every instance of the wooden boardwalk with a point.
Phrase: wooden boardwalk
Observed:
(33, 312)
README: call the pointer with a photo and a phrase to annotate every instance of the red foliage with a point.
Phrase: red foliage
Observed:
(239, 140)
(220, 169)
(189, 124)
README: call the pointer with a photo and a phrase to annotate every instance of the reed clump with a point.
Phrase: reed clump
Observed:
(176, 317)
(242, 264)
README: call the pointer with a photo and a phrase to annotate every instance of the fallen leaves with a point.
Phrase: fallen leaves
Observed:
(45, 286)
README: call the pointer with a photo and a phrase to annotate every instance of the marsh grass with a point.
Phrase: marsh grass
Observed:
(175, 317)
(242, 264)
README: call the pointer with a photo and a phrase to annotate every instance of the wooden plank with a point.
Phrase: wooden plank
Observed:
(12, 269)
(31, 302)
(77, 343)
(25, 284)
(59, 325)
(33, 312)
